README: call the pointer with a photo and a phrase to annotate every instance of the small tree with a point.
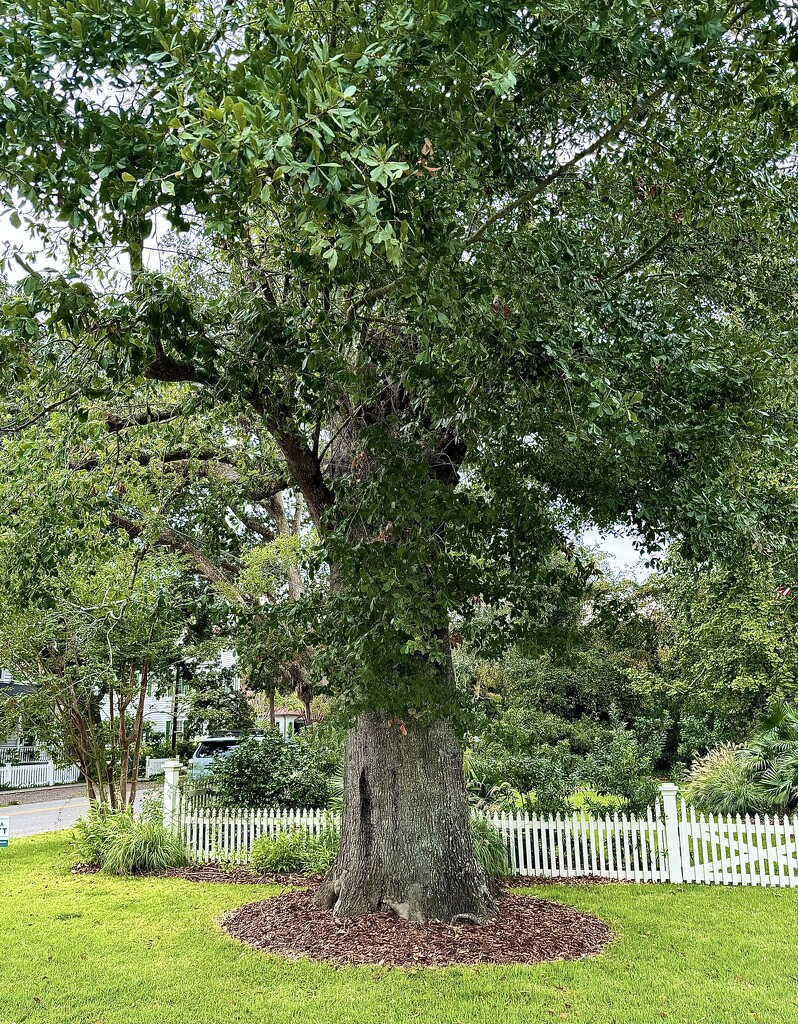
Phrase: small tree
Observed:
(216, 703)
(92, 647)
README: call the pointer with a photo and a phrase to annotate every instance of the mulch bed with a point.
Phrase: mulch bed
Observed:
(236, 875)
(84, 869)
(530, 881)
(527, 930)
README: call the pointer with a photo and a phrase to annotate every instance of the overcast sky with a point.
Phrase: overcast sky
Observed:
(624, 558)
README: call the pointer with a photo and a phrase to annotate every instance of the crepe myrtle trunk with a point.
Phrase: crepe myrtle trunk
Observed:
(405, 839)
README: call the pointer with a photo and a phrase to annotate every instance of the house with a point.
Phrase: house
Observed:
(13, 745)
(289, 721)
(166, 709)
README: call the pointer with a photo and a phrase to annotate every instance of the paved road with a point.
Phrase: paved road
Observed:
(31, 819)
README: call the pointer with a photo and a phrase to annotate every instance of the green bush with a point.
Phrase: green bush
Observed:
(321, 851)
(617, 774)
(771, 755)
(489, 847)
(281, 853)
(255, 774)
(296, 850)
(121, 844)
(270, 771)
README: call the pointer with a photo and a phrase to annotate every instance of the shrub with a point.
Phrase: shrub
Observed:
(771, 755)
(279, 853)
(255, 774)
(489, 847)
(271, 771)
(121, 844)
(296, 850)
(321, 851)
(721, 782)
(546, 778)
(619, 765)
(307, 786)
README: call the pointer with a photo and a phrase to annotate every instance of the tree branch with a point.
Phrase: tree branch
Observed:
(638, 261)
(176, 542)
(115, 422)
(611, 133)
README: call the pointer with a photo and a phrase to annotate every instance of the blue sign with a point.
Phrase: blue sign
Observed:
(5, 831)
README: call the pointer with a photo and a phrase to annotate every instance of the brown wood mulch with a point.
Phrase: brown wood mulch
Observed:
(530, 881)
(235, 875)
(527, 930)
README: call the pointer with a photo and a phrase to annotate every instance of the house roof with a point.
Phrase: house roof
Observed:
(289, 713)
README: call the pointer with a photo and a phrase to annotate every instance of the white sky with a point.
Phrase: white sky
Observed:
(624, 558)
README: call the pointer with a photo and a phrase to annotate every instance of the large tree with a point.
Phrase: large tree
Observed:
(485, 273)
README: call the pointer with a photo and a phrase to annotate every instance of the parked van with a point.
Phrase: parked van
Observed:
(211, 748)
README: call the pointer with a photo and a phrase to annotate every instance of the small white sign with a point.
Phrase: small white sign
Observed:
(5, 831)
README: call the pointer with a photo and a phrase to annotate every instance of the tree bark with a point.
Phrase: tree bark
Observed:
(405, 839)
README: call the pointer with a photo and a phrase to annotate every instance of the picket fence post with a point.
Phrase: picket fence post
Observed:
(673, 850)
(171, 780)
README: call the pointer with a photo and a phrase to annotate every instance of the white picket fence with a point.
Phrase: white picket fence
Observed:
(670, 843)
(28, 776)
(154, 766)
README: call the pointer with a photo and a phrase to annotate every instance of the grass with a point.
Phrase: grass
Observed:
(94, 949)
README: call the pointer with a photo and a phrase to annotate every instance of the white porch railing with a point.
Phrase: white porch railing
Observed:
(669, 843)
(21, 754)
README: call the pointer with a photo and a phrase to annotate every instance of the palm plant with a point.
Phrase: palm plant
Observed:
(771, 756)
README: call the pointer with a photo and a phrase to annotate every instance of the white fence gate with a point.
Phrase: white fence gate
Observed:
(669, 843)
(28, 776)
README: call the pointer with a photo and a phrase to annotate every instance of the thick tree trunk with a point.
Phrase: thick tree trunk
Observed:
(406, 842)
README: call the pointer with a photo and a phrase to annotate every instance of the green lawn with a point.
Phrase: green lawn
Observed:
(98, 950)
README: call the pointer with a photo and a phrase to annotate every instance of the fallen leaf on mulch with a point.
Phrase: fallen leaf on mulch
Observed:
(527, 930)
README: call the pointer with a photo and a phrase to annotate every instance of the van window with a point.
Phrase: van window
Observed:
(211, 748)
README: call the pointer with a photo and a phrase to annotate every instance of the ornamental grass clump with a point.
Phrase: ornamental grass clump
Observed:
(119, 843)
(489, 847)
(721, 782)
